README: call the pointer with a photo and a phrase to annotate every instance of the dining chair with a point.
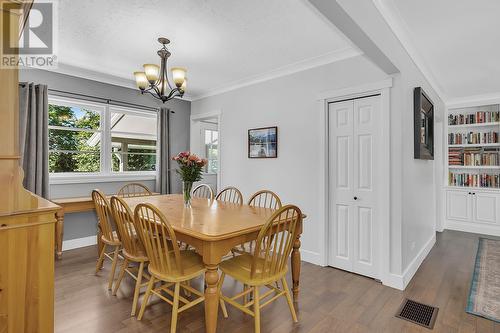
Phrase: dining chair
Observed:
(134, 190)
(132, 248)
(230, 194)
(263, 268)
(264, 199)
(167, 263)
(203, 191)
(107, 235)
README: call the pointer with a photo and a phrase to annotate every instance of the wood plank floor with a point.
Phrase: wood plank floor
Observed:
(331, 300)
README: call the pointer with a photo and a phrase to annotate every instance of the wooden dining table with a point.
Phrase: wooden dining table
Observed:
(213, 228)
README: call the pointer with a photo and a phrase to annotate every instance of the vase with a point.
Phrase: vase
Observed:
(186, 193)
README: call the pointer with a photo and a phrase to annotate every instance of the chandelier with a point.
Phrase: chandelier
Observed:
(154, 79)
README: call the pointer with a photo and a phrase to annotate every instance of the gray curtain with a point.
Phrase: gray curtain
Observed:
(34, 137)
(163, 174)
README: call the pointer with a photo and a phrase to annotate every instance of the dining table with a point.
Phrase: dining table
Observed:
(213, 228)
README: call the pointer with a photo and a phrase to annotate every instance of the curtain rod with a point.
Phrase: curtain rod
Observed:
(101, 99)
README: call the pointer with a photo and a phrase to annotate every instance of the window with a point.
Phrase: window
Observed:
(211, 150)
(99, 139)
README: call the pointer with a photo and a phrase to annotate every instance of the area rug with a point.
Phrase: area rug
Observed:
(484, 294)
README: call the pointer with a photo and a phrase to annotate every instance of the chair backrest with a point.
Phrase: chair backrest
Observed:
(275, 242)
(203, 191)
(230, 194)
(103, 215)
(266, 199)
(124, 220)
(134, 190)
(158, 239)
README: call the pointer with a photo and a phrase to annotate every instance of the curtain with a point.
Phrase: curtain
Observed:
(163, 174)
(34, 137)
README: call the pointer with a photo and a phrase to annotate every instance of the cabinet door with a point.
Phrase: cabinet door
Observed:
(458, 205)
(486, 207)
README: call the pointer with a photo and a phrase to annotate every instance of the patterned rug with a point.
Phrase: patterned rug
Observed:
(484, 294)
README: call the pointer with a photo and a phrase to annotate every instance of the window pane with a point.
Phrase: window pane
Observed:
(73, 140)
(73, 117)
(133, 162)
(74, 162)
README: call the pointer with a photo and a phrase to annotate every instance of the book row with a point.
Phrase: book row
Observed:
(474, 180)
(473, 157)
(478, 117)
(472, 138)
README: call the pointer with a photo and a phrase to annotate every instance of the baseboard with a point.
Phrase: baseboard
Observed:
(493, 230)
(401, 281)
(76, 243)
(311, 257)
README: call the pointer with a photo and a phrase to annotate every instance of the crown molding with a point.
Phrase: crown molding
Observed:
(299, 66)
(474, 100)
(400, 30)
(89, 74)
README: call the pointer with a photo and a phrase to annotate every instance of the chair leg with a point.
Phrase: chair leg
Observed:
(146, 298)
(120, 276)
(175, 309)
(113, 267)
(289, 299)
(256, 308)
(219, 291)
(98, 266)
(137, 289)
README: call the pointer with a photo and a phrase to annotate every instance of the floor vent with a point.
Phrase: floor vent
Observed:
(418, 313)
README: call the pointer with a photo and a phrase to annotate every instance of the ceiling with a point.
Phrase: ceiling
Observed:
(457, 42)
(222, 43)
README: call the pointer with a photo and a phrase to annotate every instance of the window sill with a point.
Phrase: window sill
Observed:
(99, 178)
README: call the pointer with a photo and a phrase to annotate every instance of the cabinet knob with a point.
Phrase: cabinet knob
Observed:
(470, 193)
(355, 198)
(473, 193)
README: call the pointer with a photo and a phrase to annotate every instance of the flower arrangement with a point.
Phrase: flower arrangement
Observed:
(190, 169)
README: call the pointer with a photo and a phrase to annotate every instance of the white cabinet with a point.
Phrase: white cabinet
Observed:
(474, 206)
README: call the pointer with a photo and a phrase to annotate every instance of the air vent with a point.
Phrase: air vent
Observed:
(418, 313)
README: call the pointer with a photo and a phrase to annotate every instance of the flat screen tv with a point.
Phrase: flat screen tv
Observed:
(423, 113)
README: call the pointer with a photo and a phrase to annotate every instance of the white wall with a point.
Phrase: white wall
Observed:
(416, 184)
(290, 103)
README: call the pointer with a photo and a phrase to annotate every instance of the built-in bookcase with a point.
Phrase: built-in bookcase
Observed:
(473, 157)
(473, 169)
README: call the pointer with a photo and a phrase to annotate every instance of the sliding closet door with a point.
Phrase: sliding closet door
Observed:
(353, 132)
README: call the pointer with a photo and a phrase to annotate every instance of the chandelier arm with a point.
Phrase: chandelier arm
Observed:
(154, 95)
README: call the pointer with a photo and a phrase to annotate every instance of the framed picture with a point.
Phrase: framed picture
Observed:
(263, 142)
(423, 125)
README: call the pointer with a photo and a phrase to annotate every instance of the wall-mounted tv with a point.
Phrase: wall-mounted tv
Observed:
(423, 113)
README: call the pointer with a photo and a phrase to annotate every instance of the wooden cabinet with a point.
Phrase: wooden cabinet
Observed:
(474, 210)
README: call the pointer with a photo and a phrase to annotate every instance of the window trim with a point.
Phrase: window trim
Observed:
(106, 174)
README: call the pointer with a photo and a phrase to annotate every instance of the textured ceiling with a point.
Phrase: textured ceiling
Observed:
(220, 42)
(458, 42)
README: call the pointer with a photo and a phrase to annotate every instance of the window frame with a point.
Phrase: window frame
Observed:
(106, 174)
(205, 129)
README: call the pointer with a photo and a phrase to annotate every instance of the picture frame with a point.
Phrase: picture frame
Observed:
(423, 113)
(263, 142)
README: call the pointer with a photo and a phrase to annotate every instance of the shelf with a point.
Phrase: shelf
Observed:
(482, 167)
(471, 188)
(474, 125)
(475, 145)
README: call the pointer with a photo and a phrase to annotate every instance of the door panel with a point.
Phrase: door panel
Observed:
(458, 205)
(486, 208)
(364, 235)
(340, 187)
(365, 162)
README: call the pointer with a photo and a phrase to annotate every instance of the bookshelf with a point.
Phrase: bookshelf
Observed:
(472, 165)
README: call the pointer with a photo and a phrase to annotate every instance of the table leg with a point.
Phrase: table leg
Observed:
(296, 267)
(211, 298)
(59, 233)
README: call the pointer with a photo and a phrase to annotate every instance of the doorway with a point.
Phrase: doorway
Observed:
(355, 181)
(205, 142)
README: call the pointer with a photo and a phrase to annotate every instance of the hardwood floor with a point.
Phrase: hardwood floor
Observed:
(331, 300)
